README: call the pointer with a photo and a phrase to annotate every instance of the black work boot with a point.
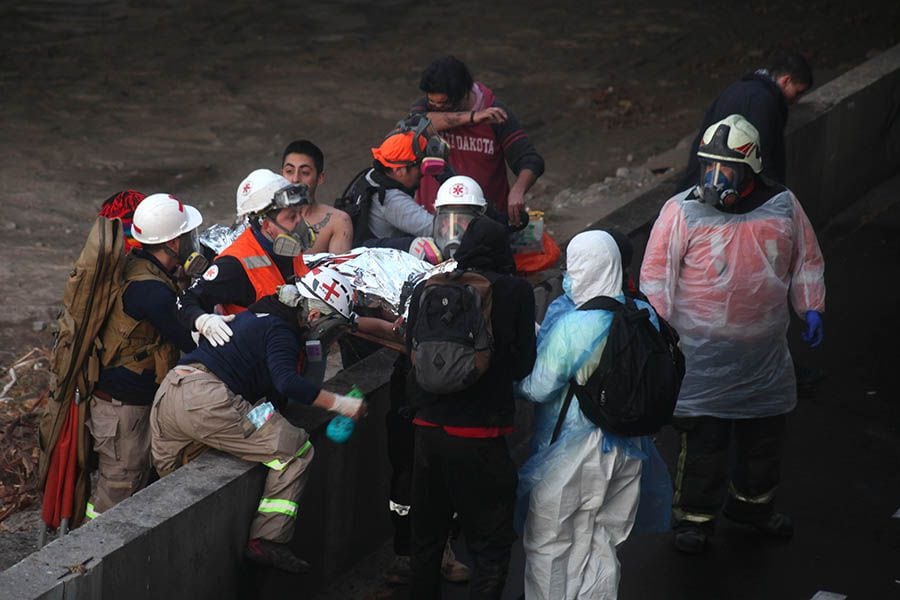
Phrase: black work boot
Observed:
(690, 538)
(272, 554)
(775, 525)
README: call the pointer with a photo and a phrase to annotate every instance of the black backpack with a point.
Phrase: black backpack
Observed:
(452, 341)
(356, 200)
(635, 387)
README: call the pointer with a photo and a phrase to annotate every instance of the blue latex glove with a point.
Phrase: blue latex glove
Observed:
(815, 331)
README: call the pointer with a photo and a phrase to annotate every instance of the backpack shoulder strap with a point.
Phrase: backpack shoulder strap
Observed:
(563, 412)
(601, 303)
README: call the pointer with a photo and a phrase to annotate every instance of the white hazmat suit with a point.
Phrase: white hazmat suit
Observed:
(578, 496)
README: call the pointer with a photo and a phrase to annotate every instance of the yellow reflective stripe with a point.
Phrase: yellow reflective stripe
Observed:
(277, 465)
(679, 470)
(400, 509)
(272, 505)
(90, 513)
(681, 515)
(761, 499)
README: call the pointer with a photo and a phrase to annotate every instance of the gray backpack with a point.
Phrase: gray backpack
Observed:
(452, 341)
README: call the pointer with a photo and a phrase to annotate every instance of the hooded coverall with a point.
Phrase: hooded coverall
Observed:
(578, 496)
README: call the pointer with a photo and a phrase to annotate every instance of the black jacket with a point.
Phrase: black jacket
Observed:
(758, 99)
(489, 402)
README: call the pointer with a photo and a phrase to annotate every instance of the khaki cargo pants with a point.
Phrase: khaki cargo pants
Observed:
(121, 435)
(194, 409)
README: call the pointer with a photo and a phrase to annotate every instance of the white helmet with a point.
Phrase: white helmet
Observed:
(329, 286)
(461, 191)
(162, 217)
(734, 139)
(257, 191)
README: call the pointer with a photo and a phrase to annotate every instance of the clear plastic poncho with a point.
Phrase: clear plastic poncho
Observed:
(723, 282)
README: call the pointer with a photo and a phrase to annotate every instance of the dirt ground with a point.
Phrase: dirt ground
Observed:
(188, 97)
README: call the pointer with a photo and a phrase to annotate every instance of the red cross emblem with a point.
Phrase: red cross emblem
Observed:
(246, 188)
(331, 290)
(458, 190)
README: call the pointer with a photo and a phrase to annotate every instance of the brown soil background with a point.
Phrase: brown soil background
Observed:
(189, 97)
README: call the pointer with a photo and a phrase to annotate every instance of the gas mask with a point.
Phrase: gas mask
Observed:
(436, 152)
(292, 242)
(189, 256)
(450, 223)
(717, 189)
(432, 159)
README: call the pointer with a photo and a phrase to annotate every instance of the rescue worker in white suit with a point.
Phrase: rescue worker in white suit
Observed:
(722, 261)
(579, 495)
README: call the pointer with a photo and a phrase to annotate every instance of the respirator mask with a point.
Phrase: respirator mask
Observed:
(718, 188)
(432, 159)
(189, 256)
(450, 223)
(292, 242)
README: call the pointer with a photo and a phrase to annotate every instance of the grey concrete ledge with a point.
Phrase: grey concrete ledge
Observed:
(182, 536)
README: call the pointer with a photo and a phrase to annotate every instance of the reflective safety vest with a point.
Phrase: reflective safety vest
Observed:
(137, 345)
(261, 270)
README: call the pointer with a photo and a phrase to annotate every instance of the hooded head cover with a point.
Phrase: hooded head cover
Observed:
(594, 266)
(485, 246)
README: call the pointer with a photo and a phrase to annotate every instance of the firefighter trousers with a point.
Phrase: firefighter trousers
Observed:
(703, 479)
(194, 409)
(121, 436)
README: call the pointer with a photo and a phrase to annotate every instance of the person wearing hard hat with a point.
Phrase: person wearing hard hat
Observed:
(141, 341)
(229, 397)
(303, 162)
(267, 254)
(723, 260)
(459, 201)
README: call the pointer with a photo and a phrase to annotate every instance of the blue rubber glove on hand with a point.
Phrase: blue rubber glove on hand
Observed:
(815, 331)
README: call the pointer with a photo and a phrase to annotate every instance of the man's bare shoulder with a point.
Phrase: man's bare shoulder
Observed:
(333, 227)
(323, 218)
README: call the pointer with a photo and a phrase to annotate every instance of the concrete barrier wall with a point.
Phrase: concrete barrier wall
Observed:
(182, 536)
(844, 138)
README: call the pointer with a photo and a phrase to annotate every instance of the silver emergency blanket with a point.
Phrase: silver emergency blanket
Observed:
(218, 237)
(382, 277)
(379, 275)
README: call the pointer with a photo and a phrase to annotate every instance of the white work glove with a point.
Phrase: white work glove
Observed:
(214, 328)
(347, 406)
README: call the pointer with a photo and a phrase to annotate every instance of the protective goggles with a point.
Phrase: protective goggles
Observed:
(293, 195)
